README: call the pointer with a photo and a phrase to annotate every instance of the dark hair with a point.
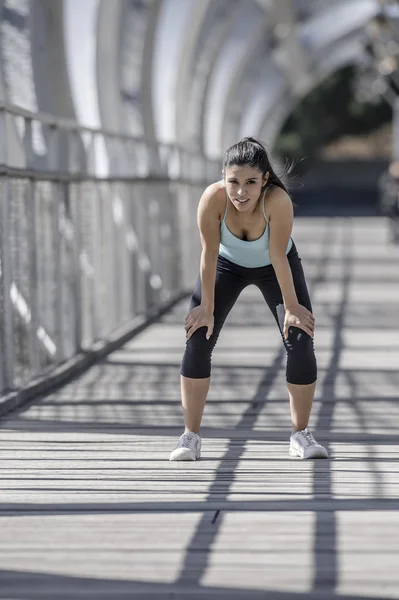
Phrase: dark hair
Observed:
(252, 153)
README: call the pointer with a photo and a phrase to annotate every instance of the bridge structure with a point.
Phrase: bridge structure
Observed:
(113, 118)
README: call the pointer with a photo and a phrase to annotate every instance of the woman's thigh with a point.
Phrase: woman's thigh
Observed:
(196, 361)
(271, 291)
(228, 285)
(301, 361)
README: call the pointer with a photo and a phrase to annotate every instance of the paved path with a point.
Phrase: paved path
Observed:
(91, 508)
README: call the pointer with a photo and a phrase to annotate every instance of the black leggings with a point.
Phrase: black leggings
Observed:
(231, 279)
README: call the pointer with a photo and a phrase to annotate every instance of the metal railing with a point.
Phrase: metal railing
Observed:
(96, 228)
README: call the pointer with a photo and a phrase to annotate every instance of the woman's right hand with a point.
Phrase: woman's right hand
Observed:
(299, 316)
(198, 317)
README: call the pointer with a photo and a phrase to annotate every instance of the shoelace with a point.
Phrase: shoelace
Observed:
(309, 437)
(185, 440)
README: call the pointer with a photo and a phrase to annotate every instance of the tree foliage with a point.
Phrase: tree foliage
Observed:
(326, 114)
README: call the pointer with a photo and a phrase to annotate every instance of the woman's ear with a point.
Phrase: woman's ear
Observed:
(266, 178)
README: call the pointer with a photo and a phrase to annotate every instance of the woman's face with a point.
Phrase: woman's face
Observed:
(244, 185)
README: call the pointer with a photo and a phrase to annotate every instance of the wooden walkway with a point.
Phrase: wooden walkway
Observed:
(91, 508)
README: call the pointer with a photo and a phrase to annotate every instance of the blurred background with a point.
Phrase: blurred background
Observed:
(115, 114)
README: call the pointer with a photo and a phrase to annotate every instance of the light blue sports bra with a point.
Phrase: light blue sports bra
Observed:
(247, 254)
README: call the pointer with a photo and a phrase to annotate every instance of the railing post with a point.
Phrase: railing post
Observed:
(34, 355)
(3, 137)
(53, 150)
(6, 276)
(6, 283)
(3, 160)
(75, 201)
(96, 247)
(74, 214)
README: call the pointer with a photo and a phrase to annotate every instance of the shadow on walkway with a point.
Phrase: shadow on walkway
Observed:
(155, 386)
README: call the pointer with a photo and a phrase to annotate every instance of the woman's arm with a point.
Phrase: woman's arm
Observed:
(281, 217)
(208, 219)
(209, 227)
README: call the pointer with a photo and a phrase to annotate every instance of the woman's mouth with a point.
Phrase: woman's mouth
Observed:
(242, 201)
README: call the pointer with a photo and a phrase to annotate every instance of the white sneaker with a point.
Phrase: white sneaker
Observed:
(188, 447)
(303, 445)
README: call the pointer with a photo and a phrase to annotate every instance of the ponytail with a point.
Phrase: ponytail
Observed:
(252, 153)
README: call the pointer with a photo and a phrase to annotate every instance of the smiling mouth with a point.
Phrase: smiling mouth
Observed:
(242, 201)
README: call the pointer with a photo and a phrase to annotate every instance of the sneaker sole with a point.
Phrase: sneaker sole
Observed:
(318, 454)
(183, 454)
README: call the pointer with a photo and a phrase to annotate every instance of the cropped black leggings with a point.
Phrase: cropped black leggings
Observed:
(230, 281)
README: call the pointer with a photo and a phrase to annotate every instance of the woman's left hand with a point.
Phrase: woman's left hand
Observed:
(299, 316)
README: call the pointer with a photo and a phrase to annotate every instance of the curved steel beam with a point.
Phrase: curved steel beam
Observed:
(172, 32)
(126, 33)
(186, 72)
(17, 77)
(248, 30)
(34, 72)
(216, 29)
(244, 82)
(338, 56)
(286, 61)
(108, 40)
(269, 117)
(49, 61)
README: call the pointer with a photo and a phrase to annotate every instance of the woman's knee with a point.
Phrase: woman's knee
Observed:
(301, 359)
(196, 362)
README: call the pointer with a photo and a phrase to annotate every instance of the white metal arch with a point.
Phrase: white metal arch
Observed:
(341, 46)
(215, 28)
(203, 73)
(249, 22)
(341, 55)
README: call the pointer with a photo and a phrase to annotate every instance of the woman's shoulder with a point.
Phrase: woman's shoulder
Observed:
(216, 189)
(276, 194)
(214, 197)
(276, 199)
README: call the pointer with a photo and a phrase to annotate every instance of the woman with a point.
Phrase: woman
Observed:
(245, 224)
